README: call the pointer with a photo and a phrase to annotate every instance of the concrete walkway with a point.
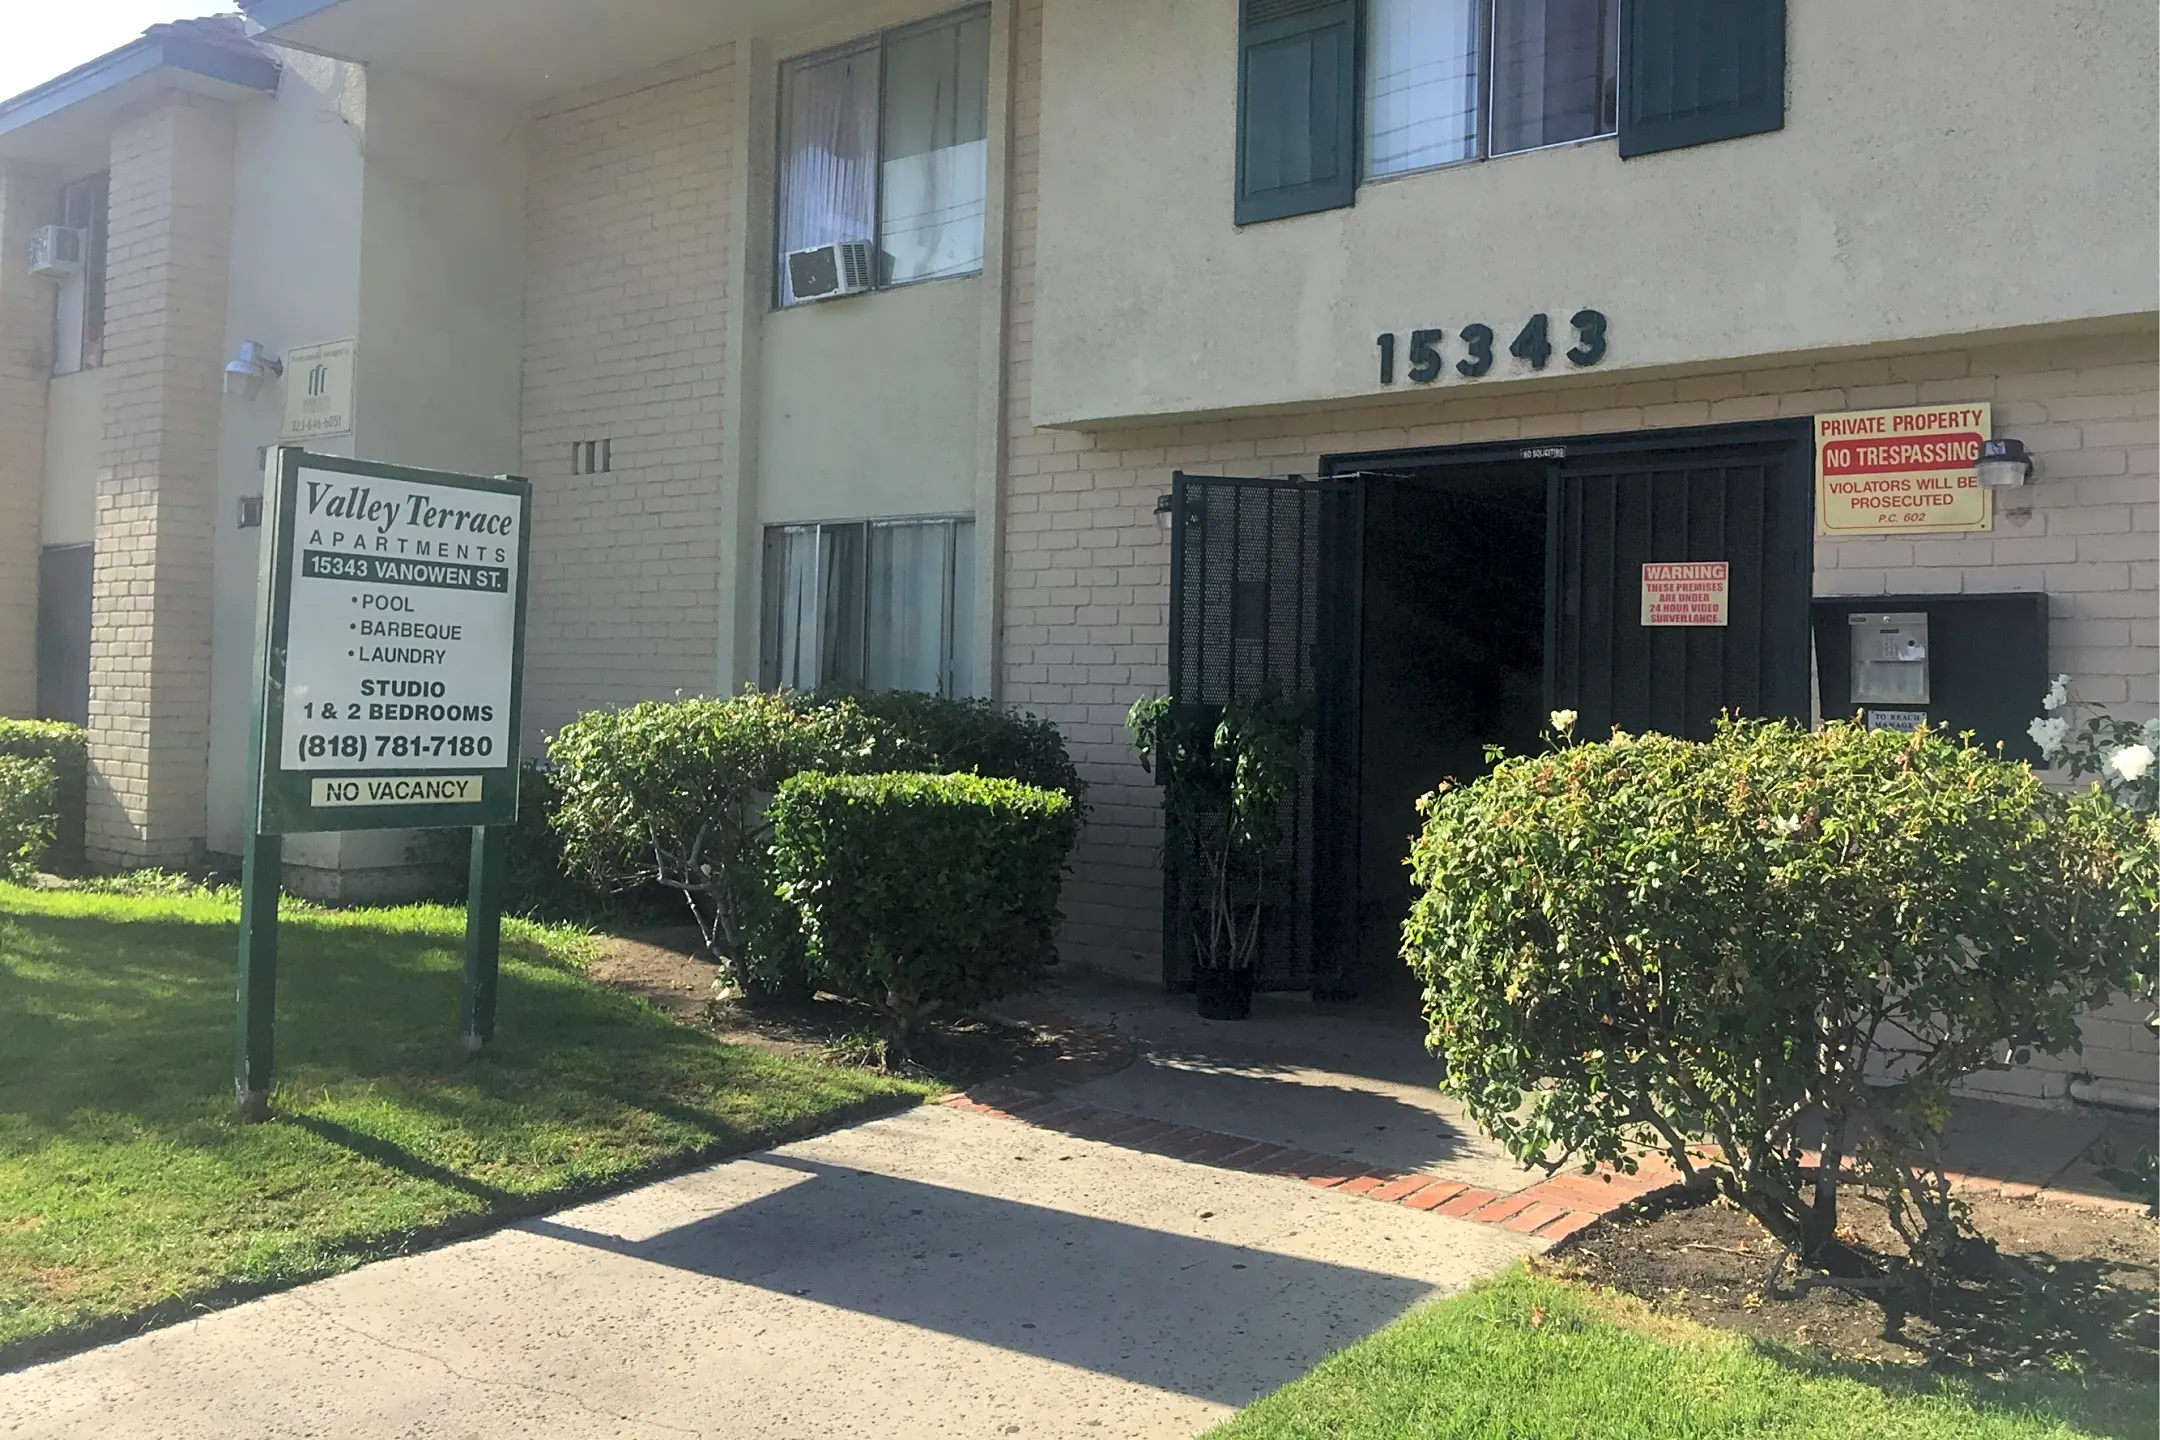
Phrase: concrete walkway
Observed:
(1135, 1241)
(1351, 1082)
(939, 1274)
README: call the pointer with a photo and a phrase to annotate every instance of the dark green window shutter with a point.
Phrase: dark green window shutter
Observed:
(1297, 107)
(1694, 71)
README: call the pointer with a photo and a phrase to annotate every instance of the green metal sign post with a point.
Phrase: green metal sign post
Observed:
(390, 656)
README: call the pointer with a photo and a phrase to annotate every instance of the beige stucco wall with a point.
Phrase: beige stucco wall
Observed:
(1087, 583)
(442, 278)
(293, 280)
(26, 202)
(1940, 173)
(74, 432)
(867, 405)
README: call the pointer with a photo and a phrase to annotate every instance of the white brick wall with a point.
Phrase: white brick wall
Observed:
(26, 310)
(171, 219)
(626, 323)
(1087, 582)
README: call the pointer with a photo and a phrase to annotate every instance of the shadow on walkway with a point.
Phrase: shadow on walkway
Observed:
(1142, 1304)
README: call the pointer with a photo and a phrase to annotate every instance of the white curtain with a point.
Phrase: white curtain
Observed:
(816, 602)
(828, 154)
(1554, 63)
(936, 149)
(961, 665)
(909, 574)
(799, 608)
(1422, 84)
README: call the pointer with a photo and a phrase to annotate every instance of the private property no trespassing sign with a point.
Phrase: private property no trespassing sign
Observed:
(1903, 472)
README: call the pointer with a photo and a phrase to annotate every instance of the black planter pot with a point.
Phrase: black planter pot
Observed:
(1223, 994)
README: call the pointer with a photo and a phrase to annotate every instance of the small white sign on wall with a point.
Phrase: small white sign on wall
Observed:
(318, 391)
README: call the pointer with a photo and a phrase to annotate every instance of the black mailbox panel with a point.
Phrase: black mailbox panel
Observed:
(1986, 661)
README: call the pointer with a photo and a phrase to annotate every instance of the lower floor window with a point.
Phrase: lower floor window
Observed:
(870, 604)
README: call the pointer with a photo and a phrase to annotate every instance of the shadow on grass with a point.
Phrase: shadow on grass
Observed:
(339, 1256)
(116, 1054)
(136, 1019)
(397, 1157)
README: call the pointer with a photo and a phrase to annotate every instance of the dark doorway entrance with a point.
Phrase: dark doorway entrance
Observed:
(63, 634)
(1436, 602)
(1453, 661)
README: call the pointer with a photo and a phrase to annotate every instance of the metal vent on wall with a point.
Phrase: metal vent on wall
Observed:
(592, 457)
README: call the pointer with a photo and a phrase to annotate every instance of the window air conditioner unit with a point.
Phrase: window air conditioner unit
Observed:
(58, 253)
(830, 271)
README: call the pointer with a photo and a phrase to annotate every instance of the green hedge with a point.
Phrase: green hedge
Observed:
(976, 737)
(674, 794)
(66, 749)
(26, 815)
(923, 892)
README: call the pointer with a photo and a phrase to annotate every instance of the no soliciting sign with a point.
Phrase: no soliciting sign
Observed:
(395, 638)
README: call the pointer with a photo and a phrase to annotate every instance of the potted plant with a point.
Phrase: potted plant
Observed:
(1227, 775)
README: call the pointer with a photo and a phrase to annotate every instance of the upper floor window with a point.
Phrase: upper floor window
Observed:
(79, 310)
(1453, 80)
(1334, 91)
(887, 141)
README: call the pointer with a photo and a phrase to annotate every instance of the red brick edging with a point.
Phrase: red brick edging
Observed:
(1548, 1210)
(1551, 1209)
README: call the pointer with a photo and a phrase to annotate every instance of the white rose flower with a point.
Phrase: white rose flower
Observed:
(2058, 694)
(2049, 735)
(1786, 826)
(2130, 763)
(1563, 721)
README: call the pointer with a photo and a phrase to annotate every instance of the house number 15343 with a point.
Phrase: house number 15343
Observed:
(1428, 360)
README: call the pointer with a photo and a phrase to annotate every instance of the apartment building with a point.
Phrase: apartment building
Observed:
(1450, 359)
(195, 200)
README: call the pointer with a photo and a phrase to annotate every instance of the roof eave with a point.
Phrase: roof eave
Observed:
(220, 65)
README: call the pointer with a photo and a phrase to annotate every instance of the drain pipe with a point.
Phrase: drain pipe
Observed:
(2114, 1095)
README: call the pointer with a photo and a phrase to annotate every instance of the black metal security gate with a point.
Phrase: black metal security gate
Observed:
(1609, 516)
(1263, 595)
(1266, 583)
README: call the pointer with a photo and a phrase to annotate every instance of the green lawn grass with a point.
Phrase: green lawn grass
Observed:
(127, 1190)
(1530, 1358)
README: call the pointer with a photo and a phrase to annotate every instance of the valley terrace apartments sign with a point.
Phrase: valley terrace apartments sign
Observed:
(1902, 472)
(395, 641)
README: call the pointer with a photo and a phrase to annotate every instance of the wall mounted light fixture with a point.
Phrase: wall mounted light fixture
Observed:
(2004, 465)
(245, 375)
(1166, 513)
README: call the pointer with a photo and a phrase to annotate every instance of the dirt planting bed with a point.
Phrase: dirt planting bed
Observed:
(2049, 1285)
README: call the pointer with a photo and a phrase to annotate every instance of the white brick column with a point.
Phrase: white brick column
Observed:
(26, 318)
(170, 231)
